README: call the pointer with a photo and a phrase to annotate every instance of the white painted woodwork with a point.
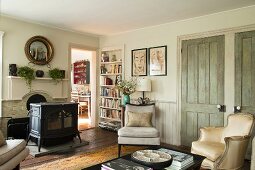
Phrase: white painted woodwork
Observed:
(17, 87)
(166, 122)
(1, 70)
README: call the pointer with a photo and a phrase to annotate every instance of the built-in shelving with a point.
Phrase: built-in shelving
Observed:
(111, 71)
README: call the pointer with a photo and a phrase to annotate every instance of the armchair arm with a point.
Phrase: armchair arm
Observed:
(234, 153)
(212, 134)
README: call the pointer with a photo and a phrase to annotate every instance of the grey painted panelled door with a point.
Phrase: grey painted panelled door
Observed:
(245, 73)
(202, 85)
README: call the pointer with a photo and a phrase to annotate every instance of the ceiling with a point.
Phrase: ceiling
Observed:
(106, 17)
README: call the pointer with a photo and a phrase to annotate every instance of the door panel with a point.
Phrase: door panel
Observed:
(244, 73)
(202, 85)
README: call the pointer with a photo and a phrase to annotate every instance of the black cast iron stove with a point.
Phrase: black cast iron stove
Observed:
(53, 121)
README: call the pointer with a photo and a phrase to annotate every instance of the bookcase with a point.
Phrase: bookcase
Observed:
(81, 74)
(111, 71)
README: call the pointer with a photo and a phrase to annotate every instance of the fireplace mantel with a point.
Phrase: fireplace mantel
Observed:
(17, 87)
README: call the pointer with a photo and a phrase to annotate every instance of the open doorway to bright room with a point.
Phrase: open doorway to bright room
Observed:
(81, 85)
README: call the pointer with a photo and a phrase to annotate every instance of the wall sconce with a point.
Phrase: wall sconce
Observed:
(143, 85)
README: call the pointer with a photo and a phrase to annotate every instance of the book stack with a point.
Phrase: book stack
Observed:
(122, 164)
(180, 160)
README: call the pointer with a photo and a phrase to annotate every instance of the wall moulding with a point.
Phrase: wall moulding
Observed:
(17, 87)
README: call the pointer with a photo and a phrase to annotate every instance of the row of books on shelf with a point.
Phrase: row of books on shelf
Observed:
(180, 161)
(109, 92)
(110, 103)
(111, 69)
(114, 114)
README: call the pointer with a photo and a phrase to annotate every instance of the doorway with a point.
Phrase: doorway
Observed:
(82, 83)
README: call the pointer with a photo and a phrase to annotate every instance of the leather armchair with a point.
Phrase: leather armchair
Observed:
(138, 135)
(225, 147)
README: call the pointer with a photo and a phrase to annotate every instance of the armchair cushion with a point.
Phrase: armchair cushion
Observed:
(2, 139)
(139, 119)
(138, 132)
(211, 150)
(11, 149)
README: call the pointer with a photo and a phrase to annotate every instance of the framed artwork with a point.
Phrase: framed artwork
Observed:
(139, 62)
(157, 61)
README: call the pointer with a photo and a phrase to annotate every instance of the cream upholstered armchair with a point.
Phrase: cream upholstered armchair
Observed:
(225, 147)
(139, 127)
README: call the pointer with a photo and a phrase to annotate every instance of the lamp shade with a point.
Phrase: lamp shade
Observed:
(143, 85)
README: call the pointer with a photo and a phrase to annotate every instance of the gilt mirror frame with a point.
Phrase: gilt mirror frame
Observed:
(39, 50)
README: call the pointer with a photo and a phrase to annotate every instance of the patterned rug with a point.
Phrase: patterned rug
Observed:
(81, 161)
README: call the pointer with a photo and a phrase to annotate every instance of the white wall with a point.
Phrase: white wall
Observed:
(164, 87)
(18, 32)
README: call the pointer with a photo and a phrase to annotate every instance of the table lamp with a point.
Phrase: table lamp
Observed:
(143, 85)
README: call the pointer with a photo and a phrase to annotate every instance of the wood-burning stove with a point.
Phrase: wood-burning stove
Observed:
(53, 120)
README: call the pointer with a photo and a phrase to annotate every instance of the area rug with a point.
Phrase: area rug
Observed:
(82, 161)
(45, 150)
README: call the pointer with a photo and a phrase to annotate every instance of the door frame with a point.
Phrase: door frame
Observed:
(229, 34)
(1, 70)
(93, 81)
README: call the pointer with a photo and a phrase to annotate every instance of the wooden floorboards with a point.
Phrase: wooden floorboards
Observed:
(97, 138)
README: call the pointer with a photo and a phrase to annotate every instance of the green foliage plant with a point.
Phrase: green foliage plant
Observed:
(56, 74)
(26, 73)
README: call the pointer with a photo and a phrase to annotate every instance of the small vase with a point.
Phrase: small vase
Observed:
(39, 73)
(12, 70)
(126, 99)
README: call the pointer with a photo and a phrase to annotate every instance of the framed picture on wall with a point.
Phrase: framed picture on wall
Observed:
(139, 62)
(158, 61)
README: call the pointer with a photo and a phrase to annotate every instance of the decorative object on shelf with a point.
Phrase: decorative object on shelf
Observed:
(139, 62)
(27, 73)
(158, 61)
(13, 70)
(56, 74)
(114, 58)
(39, 50)
(105, 57)
(39, 73)
(152, 158)
(103, 69)
(143, 85)
(127, 87)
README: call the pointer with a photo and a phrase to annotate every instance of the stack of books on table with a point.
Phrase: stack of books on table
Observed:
(180, 160)
(123, 164)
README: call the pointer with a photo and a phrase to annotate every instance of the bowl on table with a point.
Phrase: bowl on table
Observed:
(152, 158)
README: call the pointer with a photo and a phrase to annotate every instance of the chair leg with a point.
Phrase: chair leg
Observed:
(119, 150)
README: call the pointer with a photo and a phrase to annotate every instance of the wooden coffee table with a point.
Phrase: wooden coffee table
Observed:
(195, 166)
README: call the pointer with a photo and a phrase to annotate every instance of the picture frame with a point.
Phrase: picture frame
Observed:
(158, 61)
(139, 62)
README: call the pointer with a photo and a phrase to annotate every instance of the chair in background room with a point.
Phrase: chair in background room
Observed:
(139, 127)
(74, 97)
(225, 147)
(84, 104)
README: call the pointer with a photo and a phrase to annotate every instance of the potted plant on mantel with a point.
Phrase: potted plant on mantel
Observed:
(26, 73)
(57, 74)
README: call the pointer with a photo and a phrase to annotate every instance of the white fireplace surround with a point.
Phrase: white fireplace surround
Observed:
(17, 87)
